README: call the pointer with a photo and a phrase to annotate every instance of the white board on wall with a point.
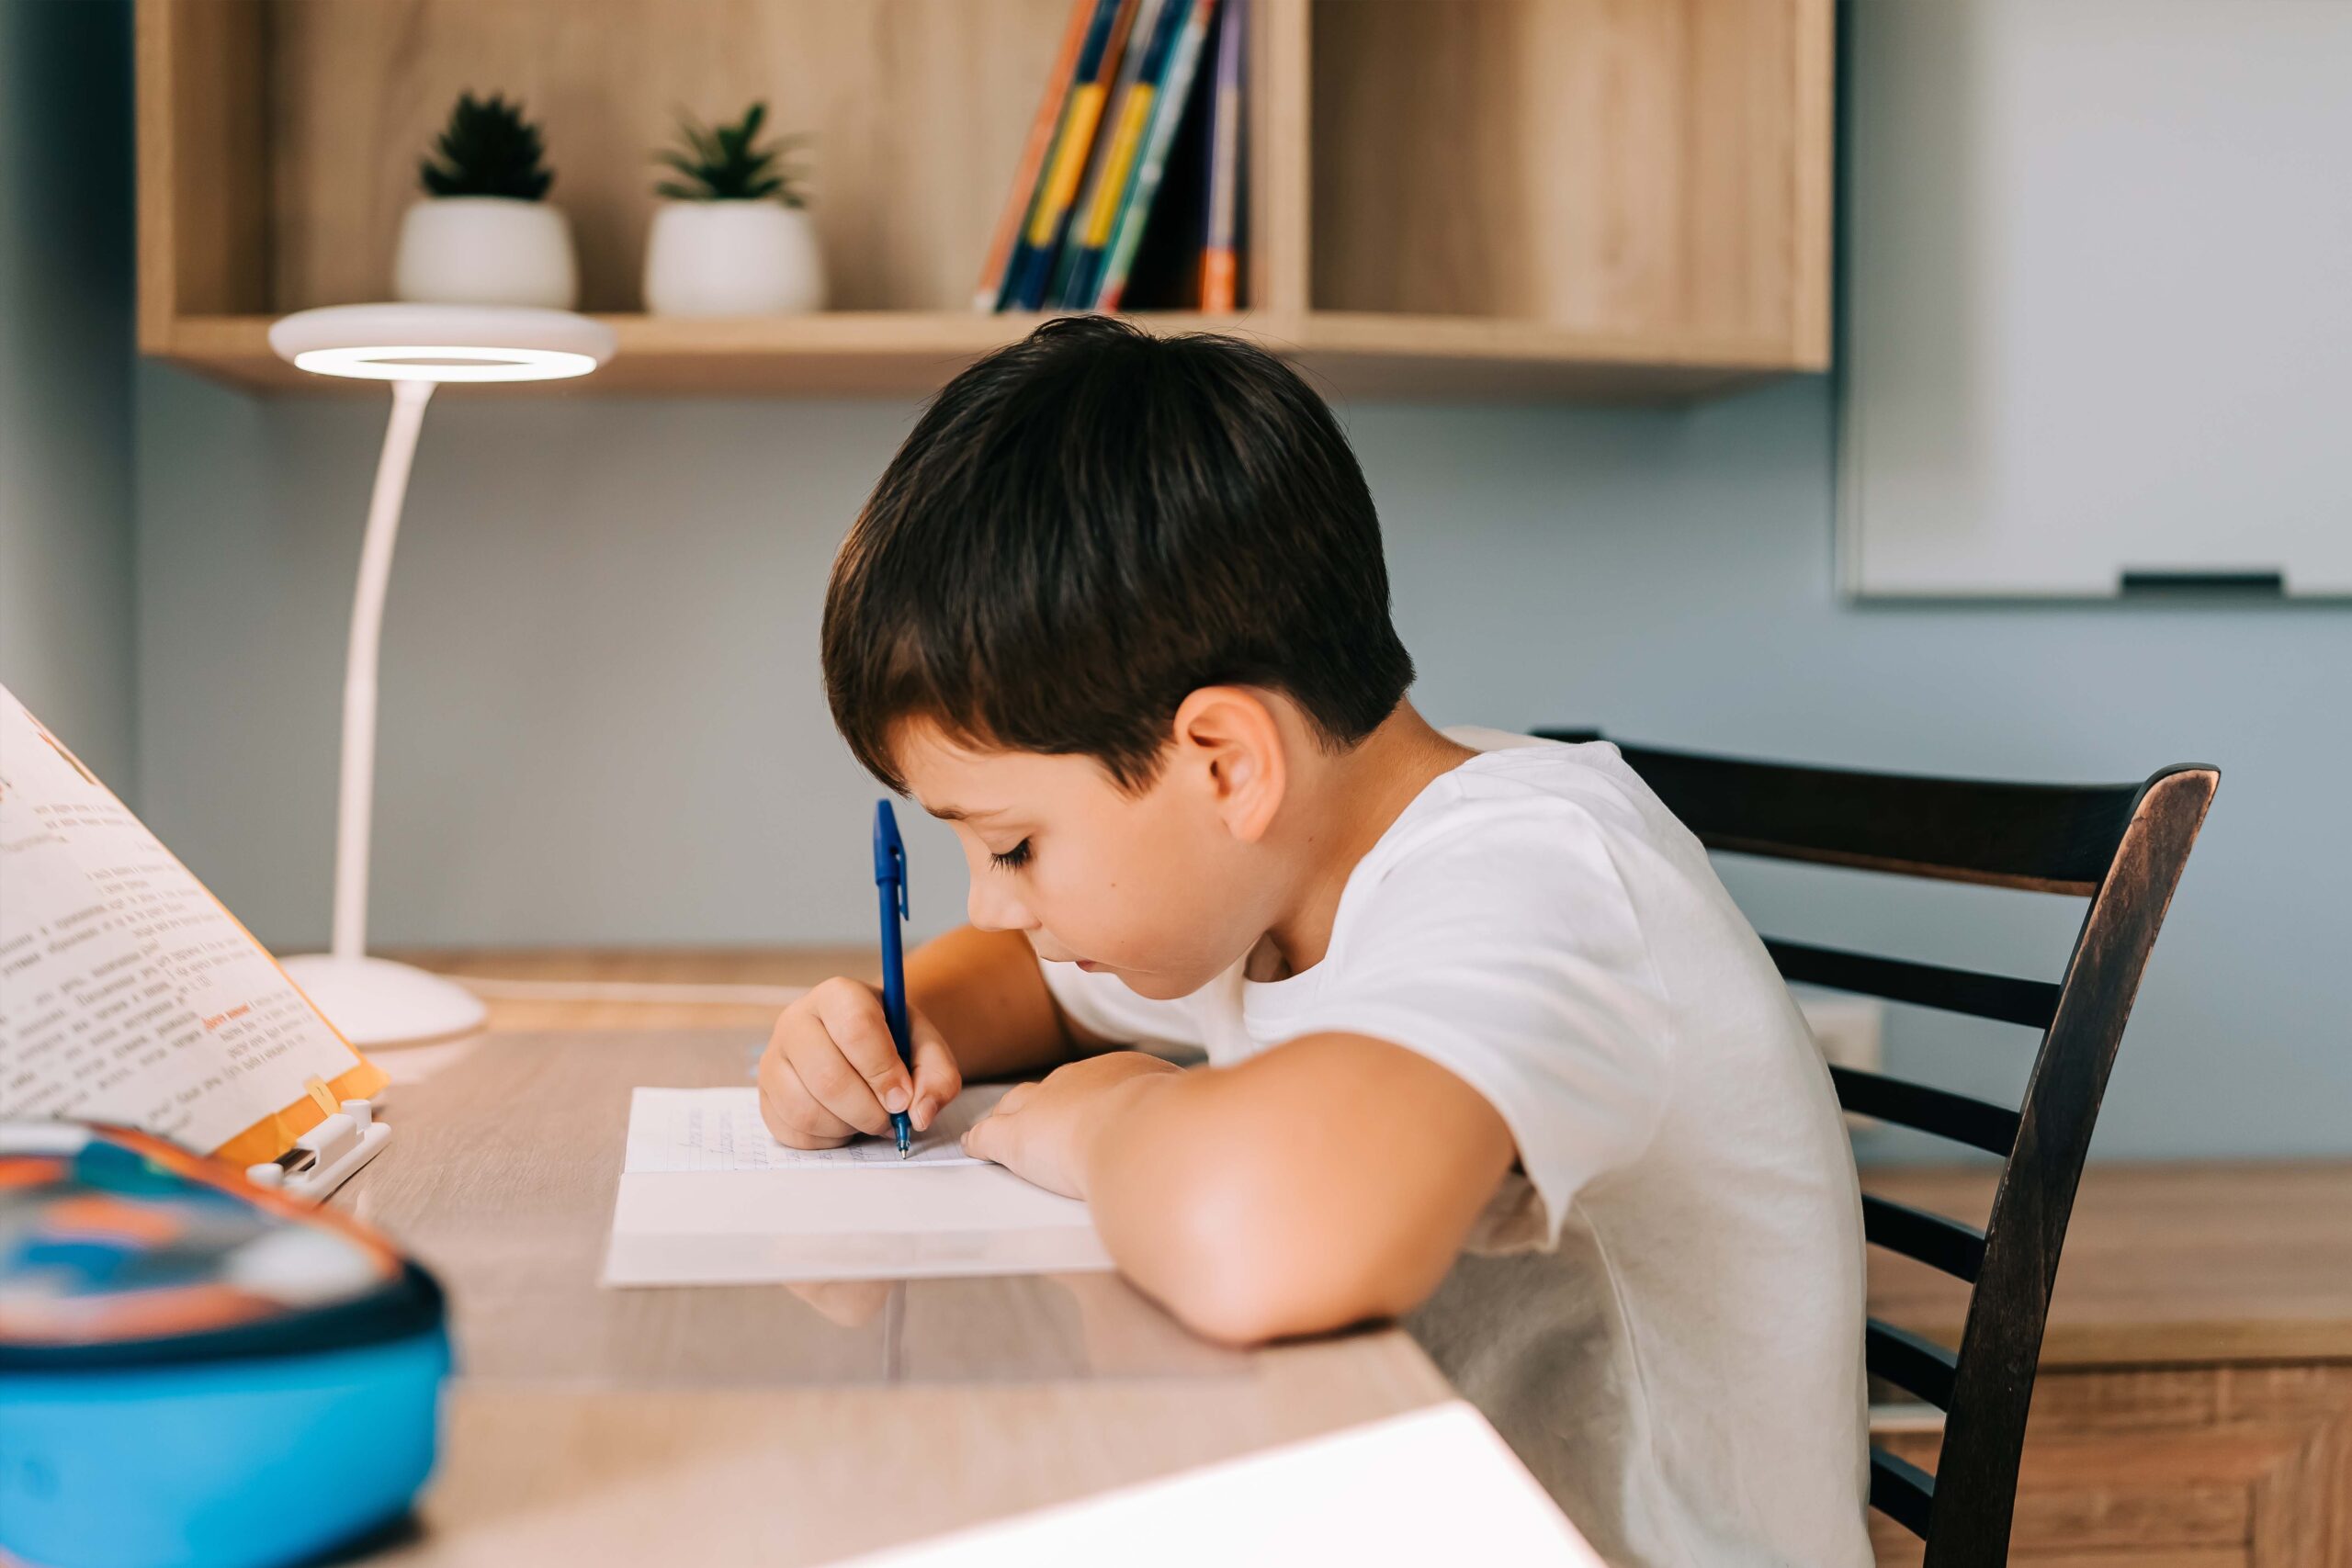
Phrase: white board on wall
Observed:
(2098, 296)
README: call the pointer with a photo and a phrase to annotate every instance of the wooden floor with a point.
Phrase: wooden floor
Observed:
(2195, 1405)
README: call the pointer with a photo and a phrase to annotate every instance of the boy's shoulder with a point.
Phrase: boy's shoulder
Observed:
(1584, 770)
(1536, 846)
(1523, 793)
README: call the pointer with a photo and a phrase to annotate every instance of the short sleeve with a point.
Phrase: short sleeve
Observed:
(1506, 948)
(1102, 1005)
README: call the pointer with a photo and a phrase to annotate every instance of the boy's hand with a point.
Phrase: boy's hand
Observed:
(831, 1071)
(1042, 1133)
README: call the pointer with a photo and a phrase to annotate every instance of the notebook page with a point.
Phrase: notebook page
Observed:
(708, 1198)
(720, 1129)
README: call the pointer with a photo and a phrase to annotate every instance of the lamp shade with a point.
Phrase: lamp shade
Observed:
(441, 343)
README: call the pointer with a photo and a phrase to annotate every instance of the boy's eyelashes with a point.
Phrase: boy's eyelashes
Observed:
(1012, 859)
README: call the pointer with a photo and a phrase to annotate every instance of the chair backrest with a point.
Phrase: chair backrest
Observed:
(2122, 847)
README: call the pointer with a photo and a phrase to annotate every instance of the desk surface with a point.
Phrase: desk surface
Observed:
(597, 1426)
(2165, 1264)
(2179, 1263)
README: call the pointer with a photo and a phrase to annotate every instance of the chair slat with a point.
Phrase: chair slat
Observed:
(2045, 838)
(1915, 1365)
(1902, 1491)
(1938, 1242)
(2032, 1003)
(1976, 1123)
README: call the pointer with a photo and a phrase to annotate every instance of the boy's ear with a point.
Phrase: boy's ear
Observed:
(1229, 745)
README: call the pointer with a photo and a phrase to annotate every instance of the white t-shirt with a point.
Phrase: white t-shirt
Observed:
(1662, 1306)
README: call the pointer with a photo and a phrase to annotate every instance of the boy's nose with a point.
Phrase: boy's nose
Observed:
(990, 910)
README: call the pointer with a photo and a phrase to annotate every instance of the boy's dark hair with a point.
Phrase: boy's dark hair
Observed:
(1090, 524)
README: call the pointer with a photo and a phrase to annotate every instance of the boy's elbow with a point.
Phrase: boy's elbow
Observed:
(1236, 1317)
(1246, 1268)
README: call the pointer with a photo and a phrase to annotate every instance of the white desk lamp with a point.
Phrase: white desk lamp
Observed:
(415, 348)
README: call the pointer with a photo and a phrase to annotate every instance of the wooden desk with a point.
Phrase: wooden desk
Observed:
(594, 1427)
(2194, 1409)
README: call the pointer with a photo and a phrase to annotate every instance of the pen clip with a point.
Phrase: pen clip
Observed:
(889, 856)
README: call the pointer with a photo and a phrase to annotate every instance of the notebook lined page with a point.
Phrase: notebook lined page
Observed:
(720, 1129)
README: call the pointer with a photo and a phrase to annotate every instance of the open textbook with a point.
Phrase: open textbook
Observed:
(127, 993)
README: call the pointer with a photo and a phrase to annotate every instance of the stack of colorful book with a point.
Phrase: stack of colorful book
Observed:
(1129, 194)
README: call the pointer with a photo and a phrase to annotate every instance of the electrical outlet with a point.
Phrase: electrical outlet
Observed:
(1851, 1031)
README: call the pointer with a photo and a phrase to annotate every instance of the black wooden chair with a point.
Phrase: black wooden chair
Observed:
(2122, 846)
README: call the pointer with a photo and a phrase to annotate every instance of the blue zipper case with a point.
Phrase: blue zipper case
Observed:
(195, 1372)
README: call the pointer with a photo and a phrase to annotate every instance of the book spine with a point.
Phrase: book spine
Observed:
(1033, 261)
(1139, 114)
(1114, 152)
(1073, 124)
(1136, 211)
(1220, 261)
(1024, 193)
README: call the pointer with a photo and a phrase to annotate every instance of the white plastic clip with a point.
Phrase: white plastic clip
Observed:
(323, 1159)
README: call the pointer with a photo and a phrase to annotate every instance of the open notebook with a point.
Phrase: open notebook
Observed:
(708, 1197)
(127, 993)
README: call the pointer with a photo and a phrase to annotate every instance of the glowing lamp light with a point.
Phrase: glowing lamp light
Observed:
(441, 343)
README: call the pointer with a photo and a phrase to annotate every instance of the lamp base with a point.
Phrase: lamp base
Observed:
(375, 1003)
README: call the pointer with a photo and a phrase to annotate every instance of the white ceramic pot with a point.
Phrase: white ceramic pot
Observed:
(486, 250)
(733, 258)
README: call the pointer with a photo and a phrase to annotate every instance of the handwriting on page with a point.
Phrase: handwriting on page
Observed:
(720, 1129)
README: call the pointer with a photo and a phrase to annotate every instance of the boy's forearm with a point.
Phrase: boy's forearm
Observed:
(986, 993)
(1254, 1202)
(1197, 1218)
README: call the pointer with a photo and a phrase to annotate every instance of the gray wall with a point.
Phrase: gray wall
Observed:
(65, 357)
(602, 720)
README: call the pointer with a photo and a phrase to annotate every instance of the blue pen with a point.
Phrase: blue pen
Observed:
(890, 881)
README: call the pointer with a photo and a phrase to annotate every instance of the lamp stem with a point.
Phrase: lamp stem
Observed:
(356, 799)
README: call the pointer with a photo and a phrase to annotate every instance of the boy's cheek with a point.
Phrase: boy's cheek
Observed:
(1180, 962)
(1157, 943)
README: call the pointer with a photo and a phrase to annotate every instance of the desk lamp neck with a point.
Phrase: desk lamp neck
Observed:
(354, 803)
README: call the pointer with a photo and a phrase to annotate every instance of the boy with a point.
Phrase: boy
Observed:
(1489, 1048)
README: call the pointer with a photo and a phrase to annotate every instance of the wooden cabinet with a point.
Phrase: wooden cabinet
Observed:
(2213, 1466)
(2194, 1408)
(1472, 198)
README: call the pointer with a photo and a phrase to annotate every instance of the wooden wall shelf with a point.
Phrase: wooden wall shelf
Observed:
(1482, 198)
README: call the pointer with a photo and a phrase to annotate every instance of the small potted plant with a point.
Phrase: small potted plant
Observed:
(732, 236)
(483, 233)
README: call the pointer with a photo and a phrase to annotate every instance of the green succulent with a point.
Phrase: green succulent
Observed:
(726, 162)
(489, 149)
